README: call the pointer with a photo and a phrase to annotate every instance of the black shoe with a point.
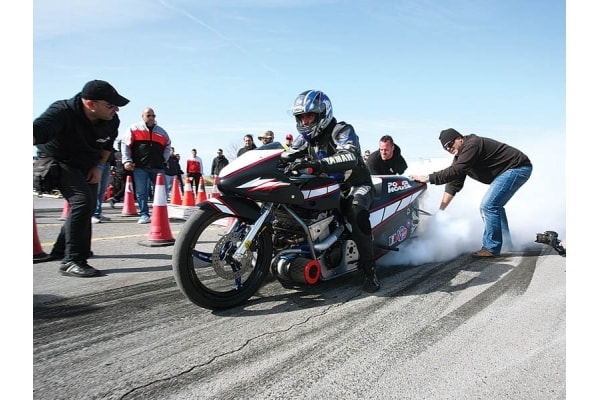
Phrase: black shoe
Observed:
(371, 284)
(59, 256)
(79, 269)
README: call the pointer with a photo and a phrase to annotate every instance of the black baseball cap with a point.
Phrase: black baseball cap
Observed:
(448, 135)
(102, 90)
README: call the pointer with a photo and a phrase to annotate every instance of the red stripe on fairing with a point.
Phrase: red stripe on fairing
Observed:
(268, 185)
(218, 204)
(319, 192)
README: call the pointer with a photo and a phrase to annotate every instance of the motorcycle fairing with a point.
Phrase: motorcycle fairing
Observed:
(255, 174)
(393, 210)
(321, 194)
(232, 205)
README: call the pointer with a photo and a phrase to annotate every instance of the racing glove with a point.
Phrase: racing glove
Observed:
(306, 166)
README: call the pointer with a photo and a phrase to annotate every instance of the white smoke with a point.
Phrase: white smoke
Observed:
(537, 207)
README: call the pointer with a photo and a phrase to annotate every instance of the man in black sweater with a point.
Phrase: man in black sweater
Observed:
(488, 161)
(388, 159)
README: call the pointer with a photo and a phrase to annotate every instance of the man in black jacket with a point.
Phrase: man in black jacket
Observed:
(79, 133)
(219, 162)
(488, 161)
(388, 159)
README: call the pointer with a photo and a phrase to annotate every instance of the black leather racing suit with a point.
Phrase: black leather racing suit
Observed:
(338, 149)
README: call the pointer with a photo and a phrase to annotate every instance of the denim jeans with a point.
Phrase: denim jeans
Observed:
(102, 189)
(501, 190)
(75, 237)
(143, 178)
(169, 184)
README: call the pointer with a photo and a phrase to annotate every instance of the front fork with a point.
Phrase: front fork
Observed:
(249, 238)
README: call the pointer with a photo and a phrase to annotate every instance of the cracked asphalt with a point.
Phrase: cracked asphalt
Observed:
(460, 329)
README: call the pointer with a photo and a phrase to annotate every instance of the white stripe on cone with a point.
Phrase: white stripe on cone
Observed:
(160, 192)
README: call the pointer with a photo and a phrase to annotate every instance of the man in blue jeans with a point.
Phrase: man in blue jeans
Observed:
(103, 185)
(488, 161)
(145, 151)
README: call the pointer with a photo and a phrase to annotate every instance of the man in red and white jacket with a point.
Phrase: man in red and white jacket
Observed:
(145, 151)
(194, 170)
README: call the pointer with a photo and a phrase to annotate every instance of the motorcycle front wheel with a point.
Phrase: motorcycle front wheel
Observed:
(205, 268)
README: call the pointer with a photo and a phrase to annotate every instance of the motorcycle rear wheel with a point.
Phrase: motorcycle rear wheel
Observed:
(203, 264)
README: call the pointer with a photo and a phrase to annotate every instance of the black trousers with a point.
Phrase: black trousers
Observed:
(75, 237)
(356, 204)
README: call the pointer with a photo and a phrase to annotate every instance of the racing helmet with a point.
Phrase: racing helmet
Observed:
(312, 101)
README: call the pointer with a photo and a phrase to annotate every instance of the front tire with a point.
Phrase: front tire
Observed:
(203, 263)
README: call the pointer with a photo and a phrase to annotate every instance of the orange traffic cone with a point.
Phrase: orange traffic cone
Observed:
(160, 231)
(176, 192)
(39, 255)
(109, 193)
(188, 194)
(201, 192)
(66, 211)
(215, 189)
(129, 202)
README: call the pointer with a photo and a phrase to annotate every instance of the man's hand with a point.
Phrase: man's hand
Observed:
(94, 175)
(420, 178)
(305, 166)
(129, 166)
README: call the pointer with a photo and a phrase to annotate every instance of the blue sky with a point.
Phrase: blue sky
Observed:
(216, 70)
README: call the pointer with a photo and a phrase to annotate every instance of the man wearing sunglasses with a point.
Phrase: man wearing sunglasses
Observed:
(488, 161)
(79, 133)
(146, 149)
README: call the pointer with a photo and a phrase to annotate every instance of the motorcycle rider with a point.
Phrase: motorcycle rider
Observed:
(333, 148)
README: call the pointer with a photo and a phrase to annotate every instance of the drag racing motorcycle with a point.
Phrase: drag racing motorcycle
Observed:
(267, 220)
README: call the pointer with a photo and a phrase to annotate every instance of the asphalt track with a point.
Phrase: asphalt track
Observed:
(461, 329)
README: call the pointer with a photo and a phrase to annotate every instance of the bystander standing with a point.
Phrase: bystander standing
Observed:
(79, 133)
(218, 163)
(145, 151)
(248, 145)
(267, 137)
(194, 170)
(172, 171)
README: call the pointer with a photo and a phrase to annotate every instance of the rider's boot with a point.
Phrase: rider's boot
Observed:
(371, 284)
(367, 263)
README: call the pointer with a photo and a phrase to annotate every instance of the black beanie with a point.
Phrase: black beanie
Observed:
(448, 135)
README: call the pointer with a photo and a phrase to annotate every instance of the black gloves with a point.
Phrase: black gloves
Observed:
(305, 166)
(289, 156)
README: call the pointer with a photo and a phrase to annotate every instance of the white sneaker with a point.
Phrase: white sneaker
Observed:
(144, 219)
(95, 220)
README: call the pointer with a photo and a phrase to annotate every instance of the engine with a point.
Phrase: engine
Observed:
(288, 231)
(293, 261)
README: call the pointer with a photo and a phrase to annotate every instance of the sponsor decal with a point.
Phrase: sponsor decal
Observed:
(398, 236)
(397, 185)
